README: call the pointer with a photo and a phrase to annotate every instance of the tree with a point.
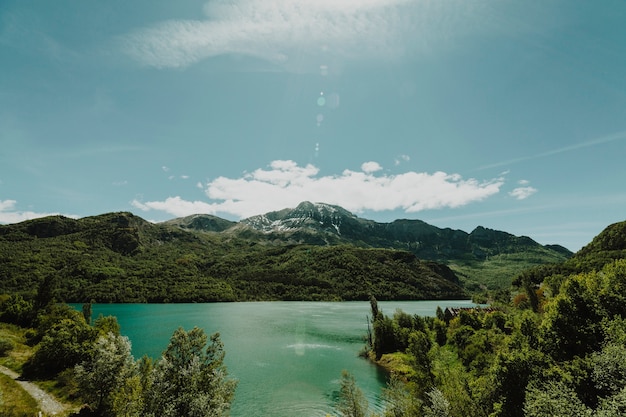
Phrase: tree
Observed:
(399, 401)
(554, 399)
(87, 312)
(108, 324)
(509, 377)
(571, 325)
(352, 402)
(439, 405)
(613, 406)
(609, 369)
(189, 379)
(66, 342)
(419, 347)
(16, 310)
(108, 372)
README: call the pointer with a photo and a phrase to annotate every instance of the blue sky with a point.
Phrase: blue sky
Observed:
(507, 114)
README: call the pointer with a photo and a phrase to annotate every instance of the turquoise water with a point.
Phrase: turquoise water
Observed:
(287, 356)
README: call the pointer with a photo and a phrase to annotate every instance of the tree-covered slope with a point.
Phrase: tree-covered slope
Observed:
(119, 257)
(484, 258)
(606, 247)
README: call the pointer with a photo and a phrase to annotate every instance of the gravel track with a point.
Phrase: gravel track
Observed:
(47, 403)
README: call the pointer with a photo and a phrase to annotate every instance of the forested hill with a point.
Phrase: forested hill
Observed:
(315, 251)
(119, 257)
(483, 258)
(605, 248)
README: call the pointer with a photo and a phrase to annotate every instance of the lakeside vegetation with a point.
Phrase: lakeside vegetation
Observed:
(91, 368)
(554, 345)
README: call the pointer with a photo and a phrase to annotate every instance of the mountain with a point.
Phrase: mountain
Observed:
(201, 222)
(119, 257)
(483, 258)
(608, 246)
(313, 251)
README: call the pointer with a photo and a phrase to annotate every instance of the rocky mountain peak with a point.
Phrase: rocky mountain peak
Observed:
(307, 215)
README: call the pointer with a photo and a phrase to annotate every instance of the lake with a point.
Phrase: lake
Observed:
(287, 356)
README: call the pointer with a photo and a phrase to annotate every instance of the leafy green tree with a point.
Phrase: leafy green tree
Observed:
(399, 400)
(127, 399)
(531, 292)
(106, 374)
(16, 310)
(508, 378)
(87, 311)
(46, 292)
(438, 404)
(190, 379)
(65, 343)
(108, 324)
(572, 323)
(352, 402)
(555, 399)
(609, 369)
(613, 406)
(419, 348)
(384, 336)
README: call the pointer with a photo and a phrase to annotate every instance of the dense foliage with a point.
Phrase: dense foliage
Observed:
(121, 258)
(557, 348)
(118, 257)
(94, 364)
(556, 345)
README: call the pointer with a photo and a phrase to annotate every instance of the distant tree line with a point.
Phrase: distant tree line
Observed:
(194, 270)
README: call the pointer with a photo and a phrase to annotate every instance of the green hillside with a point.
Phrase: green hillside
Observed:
(119, 257)
(605, 248)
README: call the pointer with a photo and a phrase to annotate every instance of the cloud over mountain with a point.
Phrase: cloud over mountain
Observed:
(285, 184)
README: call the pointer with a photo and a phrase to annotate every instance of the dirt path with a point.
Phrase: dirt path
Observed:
(47, 403)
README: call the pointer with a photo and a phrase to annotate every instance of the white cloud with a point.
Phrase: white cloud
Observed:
(401, 158)
(7, 205)
(370, 167)
(175, 206)
(522, 193)
(286, 184)
(9, 213)
(280, 31)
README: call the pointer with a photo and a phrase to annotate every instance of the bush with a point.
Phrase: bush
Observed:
(5, 346)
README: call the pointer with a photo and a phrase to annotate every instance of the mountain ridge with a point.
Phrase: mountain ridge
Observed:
(326, 224)
(331, 219)
(218, 249)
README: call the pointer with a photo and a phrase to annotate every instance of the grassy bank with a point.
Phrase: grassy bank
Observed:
(14, 401)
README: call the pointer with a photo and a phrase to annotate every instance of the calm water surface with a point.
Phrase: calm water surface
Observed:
(287, 356)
